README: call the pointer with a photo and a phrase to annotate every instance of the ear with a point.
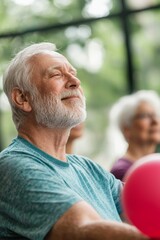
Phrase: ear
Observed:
(21, 100)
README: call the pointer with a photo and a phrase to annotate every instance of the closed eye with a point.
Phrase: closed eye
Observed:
(55, 74)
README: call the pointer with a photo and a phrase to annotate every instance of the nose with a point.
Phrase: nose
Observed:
(72, 81)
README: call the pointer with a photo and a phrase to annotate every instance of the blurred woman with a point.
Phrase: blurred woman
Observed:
(138, 118)
(75, 133)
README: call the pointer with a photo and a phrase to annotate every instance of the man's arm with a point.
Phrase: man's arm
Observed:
(81, 222)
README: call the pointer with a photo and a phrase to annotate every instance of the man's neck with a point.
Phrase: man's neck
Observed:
(51, 141)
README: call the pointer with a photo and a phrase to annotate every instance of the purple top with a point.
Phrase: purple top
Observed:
(120, 167)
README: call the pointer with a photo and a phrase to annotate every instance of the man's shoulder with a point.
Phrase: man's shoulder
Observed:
(18, 160)
(15, 147)
(20, 153)
(80, 159)
(87, 163)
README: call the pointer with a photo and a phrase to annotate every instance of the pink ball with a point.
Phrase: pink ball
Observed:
(141, 195)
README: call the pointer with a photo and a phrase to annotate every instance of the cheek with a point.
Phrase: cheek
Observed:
(140, 130)
(50, 89)
(142, 126)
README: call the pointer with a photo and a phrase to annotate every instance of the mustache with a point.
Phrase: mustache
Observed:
(70, 93)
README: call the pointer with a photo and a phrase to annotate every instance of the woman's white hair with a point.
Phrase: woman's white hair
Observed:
(123, 111)
(121, 115)
(19, 74)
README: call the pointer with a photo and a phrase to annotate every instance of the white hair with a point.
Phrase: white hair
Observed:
(123, 111)
(19, 73)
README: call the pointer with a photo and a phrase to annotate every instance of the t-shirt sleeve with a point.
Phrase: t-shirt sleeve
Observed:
(32, 198)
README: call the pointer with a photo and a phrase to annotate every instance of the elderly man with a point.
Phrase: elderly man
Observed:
(44, 193)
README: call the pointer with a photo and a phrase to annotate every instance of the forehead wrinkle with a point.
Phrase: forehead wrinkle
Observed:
(53, 67)
(61, 67)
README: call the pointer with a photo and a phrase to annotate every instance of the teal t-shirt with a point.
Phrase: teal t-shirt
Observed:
(37, 189)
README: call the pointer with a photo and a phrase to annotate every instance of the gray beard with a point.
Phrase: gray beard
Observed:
(51, 112)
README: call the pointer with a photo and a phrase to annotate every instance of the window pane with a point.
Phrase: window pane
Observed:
(146, 44)
(141, 3)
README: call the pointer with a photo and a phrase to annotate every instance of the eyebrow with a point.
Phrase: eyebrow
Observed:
(58, 66)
